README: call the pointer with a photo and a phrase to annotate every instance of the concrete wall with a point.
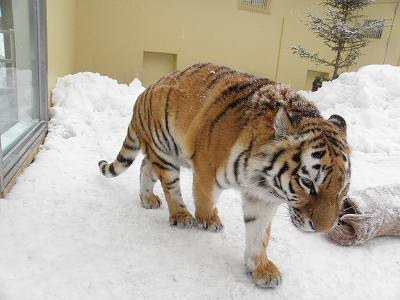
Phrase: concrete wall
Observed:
(113, 36)
(61, 39)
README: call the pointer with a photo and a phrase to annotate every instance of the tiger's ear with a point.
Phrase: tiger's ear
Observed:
(283, 123)
(339, 122)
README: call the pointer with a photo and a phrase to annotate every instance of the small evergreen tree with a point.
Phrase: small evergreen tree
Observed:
(342, 31)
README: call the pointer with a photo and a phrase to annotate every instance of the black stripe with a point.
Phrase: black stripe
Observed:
(166, 110)
(166, 117)
(132, 148)
(297, 181)
(103, 169)
(239, 157)
(112, 170)
(317, 176)
(172, 182)
(159, 139)
(273, 160)
(230, 106)
(261, 181)
(226, 177)
(161, 159)
(164, 136)
(314, 139)
(217, 183)
(335, 142)
(166, 162)
(327, 175)
(304, 169)
(183, 72)
(318, 154)
(140, 114)
(151, 122)
(319, 145)
(297, 157)
(313, 191)
(313, 130)
(215, 72)
(232, 90)
(294, 172)
(249, 219)
(291, 188)
(305, 113)
(148, 104)
(160, 166)
(193, 154)
(129, 134)
(197, 68)
(126, 162)
(175, 147)
(217, 78)
(282, 170)
(236, 166)
(248, 153)
(311, 124)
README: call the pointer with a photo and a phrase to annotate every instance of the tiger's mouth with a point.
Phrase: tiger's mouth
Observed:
(348, 207)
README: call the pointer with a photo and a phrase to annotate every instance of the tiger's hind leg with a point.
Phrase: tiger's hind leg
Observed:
(147, 181)
(178, 214)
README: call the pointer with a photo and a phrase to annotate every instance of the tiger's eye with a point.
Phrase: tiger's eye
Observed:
(307, 182)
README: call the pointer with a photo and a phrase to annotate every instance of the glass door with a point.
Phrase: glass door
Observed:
(23, 85)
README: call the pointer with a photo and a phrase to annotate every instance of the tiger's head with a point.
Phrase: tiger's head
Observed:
(308, 166)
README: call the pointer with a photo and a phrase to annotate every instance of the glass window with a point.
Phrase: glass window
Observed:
(23, 82)
(19, 97)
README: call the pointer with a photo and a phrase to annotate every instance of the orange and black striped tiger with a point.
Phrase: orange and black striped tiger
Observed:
(238, 131)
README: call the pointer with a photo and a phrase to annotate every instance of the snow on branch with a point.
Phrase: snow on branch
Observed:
(342, 31)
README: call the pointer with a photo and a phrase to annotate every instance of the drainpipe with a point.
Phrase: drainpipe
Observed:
(279, 50)
(390, 32)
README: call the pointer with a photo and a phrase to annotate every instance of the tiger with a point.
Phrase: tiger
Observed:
(237, 131)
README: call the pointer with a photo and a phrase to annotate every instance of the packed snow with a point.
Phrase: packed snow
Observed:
(66, 232)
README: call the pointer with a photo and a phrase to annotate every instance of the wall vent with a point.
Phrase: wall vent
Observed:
(375, 33)
(258, 6)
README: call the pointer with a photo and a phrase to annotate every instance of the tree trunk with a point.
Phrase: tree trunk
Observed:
(340, 48)
(337, 62)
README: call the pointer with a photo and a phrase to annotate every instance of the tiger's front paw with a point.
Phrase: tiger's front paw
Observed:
(150, 201)
(265, 274)
(182, 219)
(212, 223)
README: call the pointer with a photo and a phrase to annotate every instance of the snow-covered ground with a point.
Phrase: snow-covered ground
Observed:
(66, 232)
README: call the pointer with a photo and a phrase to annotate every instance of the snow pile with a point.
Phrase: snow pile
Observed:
(79, 99)
(369, 100)
(66, 232)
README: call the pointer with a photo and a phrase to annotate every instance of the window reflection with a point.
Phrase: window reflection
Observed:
(19, 101)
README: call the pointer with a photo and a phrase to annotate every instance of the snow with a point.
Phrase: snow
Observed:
(66, 232)
(369, 100)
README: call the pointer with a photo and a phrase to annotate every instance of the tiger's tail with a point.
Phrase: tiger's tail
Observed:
(129, 150)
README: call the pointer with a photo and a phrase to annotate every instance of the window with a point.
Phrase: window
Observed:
(259, 6)
(374, 33)
(23, 82)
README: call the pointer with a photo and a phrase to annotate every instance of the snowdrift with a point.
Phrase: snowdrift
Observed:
(66, 232)
(369, 100)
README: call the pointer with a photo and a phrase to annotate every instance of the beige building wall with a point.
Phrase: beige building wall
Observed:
(116, 37)
(61, 39)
